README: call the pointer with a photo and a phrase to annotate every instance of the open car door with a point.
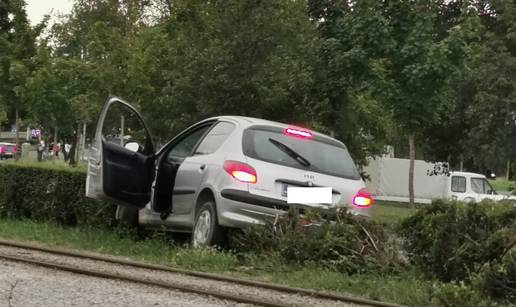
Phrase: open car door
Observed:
(121, 158)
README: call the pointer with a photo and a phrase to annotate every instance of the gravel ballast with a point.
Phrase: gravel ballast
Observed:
(23, 285)
(174, 278)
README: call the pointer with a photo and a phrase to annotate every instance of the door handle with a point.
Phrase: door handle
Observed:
(202, 167)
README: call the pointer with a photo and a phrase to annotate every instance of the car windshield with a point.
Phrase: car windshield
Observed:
(324, 155)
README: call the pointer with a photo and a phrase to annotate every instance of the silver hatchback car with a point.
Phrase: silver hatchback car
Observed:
(223, 172)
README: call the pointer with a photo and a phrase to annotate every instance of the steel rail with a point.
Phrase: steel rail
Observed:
(168, 286)
(217, 277)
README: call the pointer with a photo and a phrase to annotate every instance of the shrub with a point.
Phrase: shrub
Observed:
(457, 294)
(347, 243)
(450, 240)
(55, 195)
(498, 278)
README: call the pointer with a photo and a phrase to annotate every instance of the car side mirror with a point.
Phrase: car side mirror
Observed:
(132, 146)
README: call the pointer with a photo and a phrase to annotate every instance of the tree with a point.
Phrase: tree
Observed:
(224, 57)
(492, 111)
(395, 56)
(83, 60)
(420, 65)
(349, 81)
(17, 46)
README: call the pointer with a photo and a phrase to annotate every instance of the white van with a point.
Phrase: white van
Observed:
(388, 180)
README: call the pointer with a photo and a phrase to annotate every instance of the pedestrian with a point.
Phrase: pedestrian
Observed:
(57, 149)
(66, 151)
(2, 151)
(41, 149)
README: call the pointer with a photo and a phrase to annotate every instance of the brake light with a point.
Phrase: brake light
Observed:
(295, 132)
(363, 199)
(240, 171)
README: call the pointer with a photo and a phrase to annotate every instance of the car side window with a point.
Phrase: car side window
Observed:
(477, 185)
(481, 186)
(184, 147)
(215, 138)
(122, 126)
(458, 184)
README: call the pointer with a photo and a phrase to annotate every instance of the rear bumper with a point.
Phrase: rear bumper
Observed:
(239, 208)
(256, 200)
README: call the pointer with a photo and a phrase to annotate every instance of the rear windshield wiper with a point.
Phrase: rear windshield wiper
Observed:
(289, 151)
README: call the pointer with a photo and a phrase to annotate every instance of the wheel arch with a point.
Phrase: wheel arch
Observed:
(205, 195)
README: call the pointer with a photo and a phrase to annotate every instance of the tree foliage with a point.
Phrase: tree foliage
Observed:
(368, 72)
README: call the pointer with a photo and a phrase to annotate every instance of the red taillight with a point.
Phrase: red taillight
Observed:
(363, 199)
(240, 171)
(299, 133)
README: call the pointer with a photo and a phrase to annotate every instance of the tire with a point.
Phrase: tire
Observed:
(469, 200)
(207, 231)
(127, 216)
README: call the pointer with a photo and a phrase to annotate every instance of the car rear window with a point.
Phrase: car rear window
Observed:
(325, 155)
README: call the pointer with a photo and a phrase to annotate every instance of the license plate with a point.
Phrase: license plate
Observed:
(310, 195)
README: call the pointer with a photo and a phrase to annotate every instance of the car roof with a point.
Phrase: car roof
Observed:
(468, 174)
(8, 144)
(252, 121)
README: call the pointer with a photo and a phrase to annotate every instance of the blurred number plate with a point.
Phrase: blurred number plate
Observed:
(315, 195)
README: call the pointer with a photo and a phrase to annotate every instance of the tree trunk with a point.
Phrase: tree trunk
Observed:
(508, 172)
(412, 157)
(73, 160)
(461, 165)
(83, 141)
(17, 137)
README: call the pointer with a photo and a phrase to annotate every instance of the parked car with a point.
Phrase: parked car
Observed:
(222, 172)
(7, 150)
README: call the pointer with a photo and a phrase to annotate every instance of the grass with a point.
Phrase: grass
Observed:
(390, 213)
(405, 288)
(502, 184)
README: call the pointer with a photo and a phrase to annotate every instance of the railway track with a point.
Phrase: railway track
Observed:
(251, 292)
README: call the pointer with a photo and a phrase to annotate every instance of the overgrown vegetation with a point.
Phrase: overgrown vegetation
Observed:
(458, 242)
(405, 288)
(450, 240)
(45, 193)
(503, 185)
(463, 250)
(361, 70)
(341, 242)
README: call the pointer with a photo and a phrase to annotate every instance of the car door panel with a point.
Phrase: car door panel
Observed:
(164, 185)
(169, 163)
(126, 174)
(115, 173)
(189, 178)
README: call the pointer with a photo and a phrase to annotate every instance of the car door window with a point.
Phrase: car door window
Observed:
(458, 184)
(185, 146)
(215, 138)
(122, 125)
(481, 186)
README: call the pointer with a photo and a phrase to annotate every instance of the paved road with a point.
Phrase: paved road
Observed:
(23, 285)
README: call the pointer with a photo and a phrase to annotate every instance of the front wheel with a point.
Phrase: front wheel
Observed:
(207, 231)
(127, 216)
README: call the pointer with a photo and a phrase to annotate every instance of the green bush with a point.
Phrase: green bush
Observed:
(56, 195)
(347, 244)
(458, 294)
(498, 278)
(451, 240)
